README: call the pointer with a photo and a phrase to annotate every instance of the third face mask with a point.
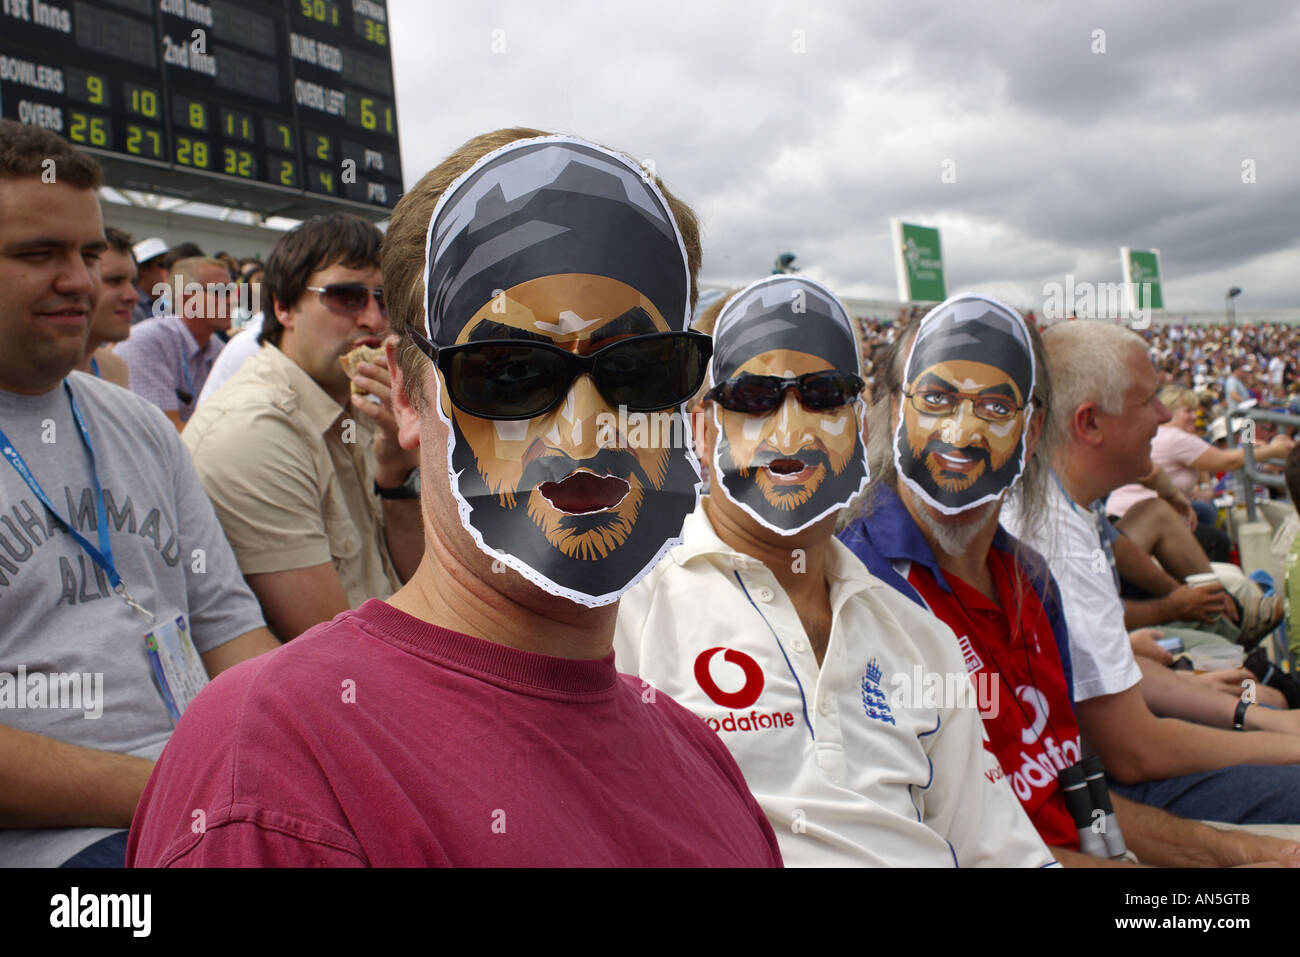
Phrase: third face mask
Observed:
(966, 400)
(787, 374)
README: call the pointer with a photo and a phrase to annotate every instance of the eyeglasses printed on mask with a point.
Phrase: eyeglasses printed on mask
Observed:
(349, 298)
(508, 379)
(990, 408)
(759, 394)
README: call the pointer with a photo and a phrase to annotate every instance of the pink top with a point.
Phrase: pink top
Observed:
(1174, 451)
(379, 739)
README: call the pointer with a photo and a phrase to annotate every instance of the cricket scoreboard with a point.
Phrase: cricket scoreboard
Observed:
(284, 107)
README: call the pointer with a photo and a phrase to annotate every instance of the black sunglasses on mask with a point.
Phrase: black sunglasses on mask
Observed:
(760, 394)
(507, 379)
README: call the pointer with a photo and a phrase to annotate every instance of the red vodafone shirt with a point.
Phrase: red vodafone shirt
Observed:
(1030, 723)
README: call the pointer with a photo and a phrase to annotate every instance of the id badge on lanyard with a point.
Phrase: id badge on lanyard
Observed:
(177, 667)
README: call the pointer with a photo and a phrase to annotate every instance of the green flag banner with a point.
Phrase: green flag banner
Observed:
(1142, 278)
(919, 262)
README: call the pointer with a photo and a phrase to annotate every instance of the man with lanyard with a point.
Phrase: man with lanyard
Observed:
(539, 284)
(113, 570)
(170, 356)
(767, 627)
(968, 403)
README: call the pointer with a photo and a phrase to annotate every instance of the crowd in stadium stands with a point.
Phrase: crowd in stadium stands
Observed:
(251, 573)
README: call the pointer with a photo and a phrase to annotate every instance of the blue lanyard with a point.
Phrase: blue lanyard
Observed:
(94, 367)
(185, 371)
(1097, 519)
(1061, 485)
(103, 555)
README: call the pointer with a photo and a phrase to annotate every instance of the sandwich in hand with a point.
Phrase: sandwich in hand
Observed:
(351, 363)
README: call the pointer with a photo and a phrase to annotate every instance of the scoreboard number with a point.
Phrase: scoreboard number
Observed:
(190, 152)
(144, 141)
(268, 96)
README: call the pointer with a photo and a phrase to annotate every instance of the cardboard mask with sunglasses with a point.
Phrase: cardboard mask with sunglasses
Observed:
(570, 253)
(966, 400)
(788, 453)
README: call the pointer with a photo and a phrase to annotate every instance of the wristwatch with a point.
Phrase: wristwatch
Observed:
(1239, 719)
(410, 487)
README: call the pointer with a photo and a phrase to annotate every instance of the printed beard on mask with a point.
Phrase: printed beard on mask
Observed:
(794, 466)
(583, 527)
(554, 240)
(787, 492)
(960, 440)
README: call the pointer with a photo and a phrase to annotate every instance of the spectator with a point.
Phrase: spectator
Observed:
(150, 257)
(1148, 522)
(243, 345)
(111, 320)
(399, 774)
(832, 760)
(1107, 409)
(231, 264)
(185, 250)
(1292, 578)
(996, 593)
(311, 485)
(170, 357)
(146, 546)
(1236, 387)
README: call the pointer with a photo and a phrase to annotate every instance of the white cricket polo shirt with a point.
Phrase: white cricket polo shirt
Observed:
(849, 767)
(1067, 536)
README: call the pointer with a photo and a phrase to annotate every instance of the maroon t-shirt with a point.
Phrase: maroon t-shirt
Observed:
(379, 739)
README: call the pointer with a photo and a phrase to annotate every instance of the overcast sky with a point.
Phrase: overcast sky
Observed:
(804, 126)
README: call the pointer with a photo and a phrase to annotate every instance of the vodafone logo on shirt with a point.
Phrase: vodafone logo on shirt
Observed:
(1037, 770)
(740, 699)
(743, 698)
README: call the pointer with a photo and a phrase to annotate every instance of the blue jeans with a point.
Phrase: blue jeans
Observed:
(1206, 513)
(106, 852)
(1241, 794)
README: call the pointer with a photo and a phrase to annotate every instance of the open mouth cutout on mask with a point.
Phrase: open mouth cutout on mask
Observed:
(789, 471)
(582, 492)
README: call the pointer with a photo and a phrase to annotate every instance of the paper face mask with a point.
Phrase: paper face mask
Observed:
(967, 388)
(558, 243)
(795, 463)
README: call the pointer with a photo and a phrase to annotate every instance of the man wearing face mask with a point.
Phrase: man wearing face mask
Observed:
(475, 718)
(998, 595)
(771, 631)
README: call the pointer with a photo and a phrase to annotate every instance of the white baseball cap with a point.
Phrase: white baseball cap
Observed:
(148, 249)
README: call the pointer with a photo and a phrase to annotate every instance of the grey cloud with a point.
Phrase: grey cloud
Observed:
(1062, 155)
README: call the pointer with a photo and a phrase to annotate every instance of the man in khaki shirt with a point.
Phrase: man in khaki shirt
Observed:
(313, 490)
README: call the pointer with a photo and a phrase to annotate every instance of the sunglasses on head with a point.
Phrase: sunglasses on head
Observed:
(508, 379)
(759, 394)
(349, 298)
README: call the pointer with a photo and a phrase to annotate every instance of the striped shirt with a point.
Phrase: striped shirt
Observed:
(167, 366)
